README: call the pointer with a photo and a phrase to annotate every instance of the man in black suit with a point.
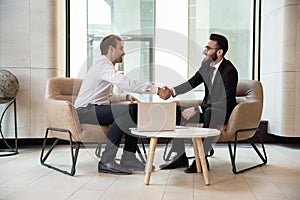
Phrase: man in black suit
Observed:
(220, 80)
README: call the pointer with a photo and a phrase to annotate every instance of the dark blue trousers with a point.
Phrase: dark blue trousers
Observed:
(120, 117)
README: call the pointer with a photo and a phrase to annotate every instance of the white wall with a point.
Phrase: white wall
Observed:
(32, 47)
(280, 66)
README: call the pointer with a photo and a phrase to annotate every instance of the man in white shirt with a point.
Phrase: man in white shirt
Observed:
(94, 105)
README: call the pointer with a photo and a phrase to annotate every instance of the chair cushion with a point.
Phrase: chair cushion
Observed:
(60, 112)
(93, 133)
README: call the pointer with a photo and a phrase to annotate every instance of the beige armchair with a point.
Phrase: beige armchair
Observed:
(243, 122)
(63, 121)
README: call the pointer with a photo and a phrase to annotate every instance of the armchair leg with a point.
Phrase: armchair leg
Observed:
(74, 155)
(143, 159)
(167, 155)
(98, 149)
(233, 153)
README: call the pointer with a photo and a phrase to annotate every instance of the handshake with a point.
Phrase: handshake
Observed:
(164, 92)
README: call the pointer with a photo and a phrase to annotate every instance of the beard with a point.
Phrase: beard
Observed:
(214, 56)
(118, 60)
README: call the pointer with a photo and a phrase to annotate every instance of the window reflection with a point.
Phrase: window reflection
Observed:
(141, 23)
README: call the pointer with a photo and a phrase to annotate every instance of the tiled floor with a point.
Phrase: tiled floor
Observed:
(22, 177)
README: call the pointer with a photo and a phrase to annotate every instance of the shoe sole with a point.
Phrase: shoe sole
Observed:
(117, 173)
(182, 166)
(137, 169)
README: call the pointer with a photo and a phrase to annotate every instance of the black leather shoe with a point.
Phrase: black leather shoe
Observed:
(211, 152)
(193, 167)
(112, 168)
(177, 162)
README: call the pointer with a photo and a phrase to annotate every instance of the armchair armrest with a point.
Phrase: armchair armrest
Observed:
(122, 102)
(62, 114)
(244, 116)
(188, 103)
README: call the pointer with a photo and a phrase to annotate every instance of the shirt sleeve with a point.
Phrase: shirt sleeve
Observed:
(187, 86)
(127, 84)
(117, 98)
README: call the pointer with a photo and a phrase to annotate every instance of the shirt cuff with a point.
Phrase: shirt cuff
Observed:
(156, 89)
(198, 109)
(173, 92)
(152, 89)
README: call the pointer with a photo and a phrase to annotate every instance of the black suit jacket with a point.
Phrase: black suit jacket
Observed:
(223, 89)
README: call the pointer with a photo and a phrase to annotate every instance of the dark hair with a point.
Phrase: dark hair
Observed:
(221, 41)
(110, 40)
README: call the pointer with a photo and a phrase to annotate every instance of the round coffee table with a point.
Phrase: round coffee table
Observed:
(196, 134)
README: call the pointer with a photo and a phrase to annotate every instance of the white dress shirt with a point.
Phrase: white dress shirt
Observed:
(215, 72)
(97, 86)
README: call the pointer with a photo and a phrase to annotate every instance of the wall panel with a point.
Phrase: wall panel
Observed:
(280, 59)
(32, 47)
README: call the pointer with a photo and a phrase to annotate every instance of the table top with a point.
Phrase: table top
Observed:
(179, 132)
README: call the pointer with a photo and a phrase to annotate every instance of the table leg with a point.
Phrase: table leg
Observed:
(150, 158)
(196, 152)
(203, 160)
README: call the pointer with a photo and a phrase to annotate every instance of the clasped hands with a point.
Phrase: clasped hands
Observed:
(164, 92)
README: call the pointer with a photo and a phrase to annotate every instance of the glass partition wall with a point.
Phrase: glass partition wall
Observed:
(163, 40)
(232, 18)
(133, 20)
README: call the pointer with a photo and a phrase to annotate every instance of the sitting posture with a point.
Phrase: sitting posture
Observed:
(94, 105)
(220, 79)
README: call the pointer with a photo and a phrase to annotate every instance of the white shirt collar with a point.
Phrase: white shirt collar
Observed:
(217, 67)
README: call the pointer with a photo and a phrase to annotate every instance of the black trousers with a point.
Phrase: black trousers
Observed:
(211, 118)
(120, 117)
